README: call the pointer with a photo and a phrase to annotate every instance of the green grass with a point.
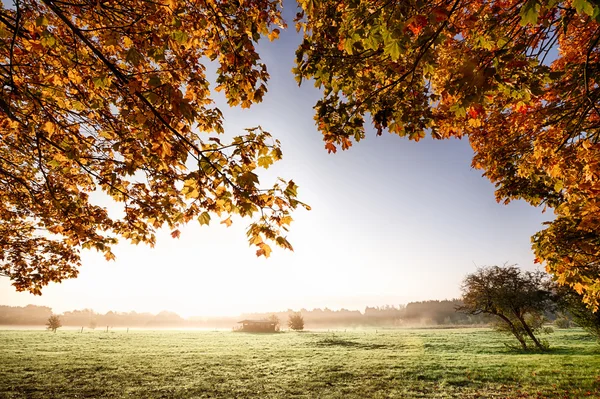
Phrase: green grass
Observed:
(462, 363)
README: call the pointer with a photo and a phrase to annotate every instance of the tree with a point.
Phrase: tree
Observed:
(516, 298)
(274, 319)
(296, 321)
(570, 302)
(487, 70)
(53, 323)
(93, 324)
(112, 97)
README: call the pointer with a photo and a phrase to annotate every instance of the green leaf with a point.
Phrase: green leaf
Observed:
(101, 82)
(459, 110)
(41, 21)
(348, 45)
(596, 15)
(179, 36)
(393, 49)
(529, 12)
(291, 190)
(48, 39)
(154, 81)
(134, 57)
(584, 7)
(204, 218)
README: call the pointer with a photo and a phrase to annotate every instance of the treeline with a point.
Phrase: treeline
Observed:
(424, 313)
(31, 315)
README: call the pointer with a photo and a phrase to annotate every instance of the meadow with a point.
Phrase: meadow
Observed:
(403, 363)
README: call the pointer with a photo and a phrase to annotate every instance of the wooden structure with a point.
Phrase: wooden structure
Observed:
(265, 326)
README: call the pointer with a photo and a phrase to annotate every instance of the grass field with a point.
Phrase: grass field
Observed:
(460, 363)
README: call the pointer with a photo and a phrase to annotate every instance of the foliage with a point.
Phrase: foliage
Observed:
(403, 363)
(296, 321)
(563, 321)
(570, 302)
(113, 98)
(516, 298)
(53, 323)
(487, 70)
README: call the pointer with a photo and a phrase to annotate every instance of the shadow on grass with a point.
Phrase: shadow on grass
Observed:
(340, 342)
(560, 350)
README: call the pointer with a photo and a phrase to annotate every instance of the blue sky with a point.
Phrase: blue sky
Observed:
(392, 221)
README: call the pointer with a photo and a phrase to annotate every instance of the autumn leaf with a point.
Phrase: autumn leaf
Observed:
(330, 148)
(529, 12)
(204, 218)
(264, 250)
(227, 222)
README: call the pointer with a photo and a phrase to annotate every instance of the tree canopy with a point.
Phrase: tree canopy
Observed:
(53, 323)
(113, 97)
(518, 78)
(296, 321)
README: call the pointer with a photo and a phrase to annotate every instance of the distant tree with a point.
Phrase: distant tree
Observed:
(296, 321)
(517, 298)
(273, 318)
(53, 323)
(93, 324)
(563, 321)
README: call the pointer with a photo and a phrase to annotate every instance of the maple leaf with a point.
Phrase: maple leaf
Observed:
(330, 147)
(227, 222)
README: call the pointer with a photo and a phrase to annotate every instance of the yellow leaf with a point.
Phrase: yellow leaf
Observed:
(227, 221)
(49, 127)
(264, 250)
(274, 34)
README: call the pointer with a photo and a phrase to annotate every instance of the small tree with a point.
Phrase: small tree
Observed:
(53, 323)
(296, 321)
(517, 298)
(273, 318)
(93, 324)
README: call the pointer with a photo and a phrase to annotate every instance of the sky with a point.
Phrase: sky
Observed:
(392, 221)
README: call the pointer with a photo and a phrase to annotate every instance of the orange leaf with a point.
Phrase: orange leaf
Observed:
(227, 221)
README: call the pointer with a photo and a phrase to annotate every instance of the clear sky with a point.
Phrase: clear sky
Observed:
(392, 221)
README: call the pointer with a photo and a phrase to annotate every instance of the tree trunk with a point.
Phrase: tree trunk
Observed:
(514, 330)
(530, 333)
